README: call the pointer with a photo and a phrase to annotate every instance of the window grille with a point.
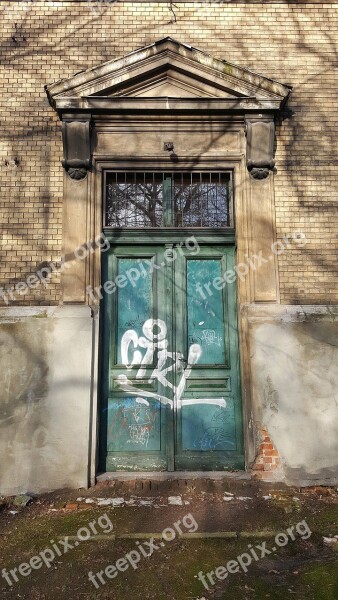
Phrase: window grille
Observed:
(165, 199)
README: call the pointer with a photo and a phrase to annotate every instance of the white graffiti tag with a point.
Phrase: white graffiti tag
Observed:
(211, 337)
(140, 350)
(139, 434)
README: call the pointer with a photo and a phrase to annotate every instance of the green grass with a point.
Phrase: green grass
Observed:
(303, 570)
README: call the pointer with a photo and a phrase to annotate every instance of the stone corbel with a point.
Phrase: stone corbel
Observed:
(260, 132)
(76, 145)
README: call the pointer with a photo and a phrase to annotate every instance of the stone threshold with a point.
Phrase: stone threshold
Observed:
(172, 475)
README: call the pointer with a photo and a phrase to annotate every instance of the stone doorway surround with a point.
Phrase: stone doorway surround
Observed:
(213, 114)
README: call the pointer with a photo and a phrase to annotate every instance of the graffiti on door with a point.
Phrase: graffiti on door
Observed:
(147, 356)
(170, 385)
(135, 420)
(141, 350)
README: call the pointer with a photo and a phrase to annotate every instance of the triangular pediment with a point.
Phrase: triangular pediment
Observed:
(168, 83)
(167, 69)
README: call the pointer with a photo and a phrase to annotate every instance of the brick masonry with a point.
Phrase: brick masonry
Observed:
(291, 42)
(267, 465)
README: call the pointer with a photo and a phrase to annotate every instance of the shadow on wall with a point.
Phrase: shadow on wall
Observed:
(296, 376)
(307, 140)
(24, 388)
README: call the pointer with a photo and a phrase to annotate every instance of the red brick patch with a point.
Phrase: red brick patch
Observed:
(267, 460)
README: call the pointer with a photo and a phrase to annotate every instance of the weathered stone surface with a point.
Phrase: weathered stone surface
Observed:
(295, 382)
(44, 399)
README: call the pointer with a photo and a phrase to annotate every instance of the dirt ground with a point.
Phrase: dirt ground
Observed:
(160, 539)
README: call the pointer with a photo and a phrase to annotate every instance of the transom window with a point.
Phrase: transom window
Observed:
(168, 199)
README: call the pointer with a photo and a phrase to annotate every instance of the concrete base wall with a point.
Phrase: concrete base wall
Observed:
(45, 398)
(294, 380)
(48, 395)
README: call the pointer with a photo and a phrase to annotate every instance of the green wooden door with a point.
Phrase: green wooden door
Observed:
(170, 363)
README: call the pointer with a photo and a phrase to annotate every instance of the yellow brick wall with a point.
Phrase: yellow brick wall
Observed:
(292, 42)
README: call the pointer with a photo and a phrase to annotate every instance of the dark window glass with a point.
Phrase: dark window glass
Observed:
(186, 199)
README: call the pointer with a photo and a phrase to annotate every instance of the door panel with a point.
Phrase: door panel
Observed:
(136, 421)
(172, 391)
(208, 413)
(134, 302)
(205, 313)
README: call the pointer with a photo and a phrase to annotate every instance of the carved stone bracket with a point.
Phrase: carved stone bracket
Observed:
(76, 145)
(260, 133)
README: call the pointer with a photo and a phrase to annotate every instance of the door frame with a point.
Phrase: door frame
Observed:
(245, 287)
(229, 120)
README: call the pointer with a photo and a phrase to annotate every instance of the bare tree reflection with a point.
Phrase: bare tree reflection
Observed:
(181, 199)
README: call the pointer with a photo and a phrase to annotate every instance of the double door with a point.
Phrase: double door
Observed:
(170, 394)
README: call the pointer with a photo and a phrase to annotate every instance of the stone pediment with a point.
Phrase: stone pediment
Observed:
(164, 70)
(167, 78)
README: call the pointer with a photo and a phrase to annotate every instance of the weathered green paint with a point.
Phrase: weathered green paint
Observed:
(159, 412)
(133, 422)
(207, 428)
(134, 300)
(205, 310)
(133, 426)
(209, 413)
